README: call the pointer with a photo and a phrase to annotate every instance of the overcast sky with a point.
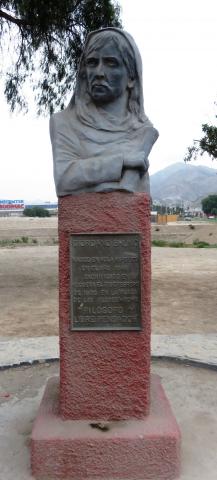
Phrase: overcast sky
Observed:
(178, 43)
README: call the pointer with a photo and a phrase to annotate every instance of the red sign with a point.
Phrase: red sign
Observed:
(11, 204)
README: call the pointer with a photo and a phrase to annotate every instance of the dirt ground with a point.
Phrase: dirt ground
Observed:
(44, 230)
(186, 232)
(184, 296)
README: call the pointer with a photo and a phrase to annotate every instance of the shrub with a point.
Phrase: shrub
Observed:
(200, 243)
(17, 242)
(36, 212)
(177, 244)
(209, 205)
(159, 243)
(25, 239)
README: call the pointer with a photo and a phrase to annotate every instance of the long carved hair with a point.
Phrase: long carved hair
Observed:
(130, 55)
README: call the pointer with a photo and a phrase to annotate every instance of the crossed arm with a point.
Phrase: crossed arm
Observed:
(71, 175)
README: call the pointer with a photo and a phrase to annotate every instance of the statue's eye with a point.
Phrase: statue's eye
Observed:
(91, 62)
(112, 62)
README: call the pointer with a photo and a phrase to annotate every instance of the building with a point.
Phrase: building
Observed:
(12, 208)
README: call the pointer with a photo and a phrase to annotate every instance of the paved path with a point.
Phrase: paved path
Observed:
(192, 347)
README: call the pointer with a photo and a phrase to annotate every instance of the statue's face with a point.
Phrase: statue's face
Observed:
(107, 77)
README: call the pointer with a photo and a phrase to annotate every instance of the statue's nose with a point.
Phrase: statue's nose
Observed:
(100, 70)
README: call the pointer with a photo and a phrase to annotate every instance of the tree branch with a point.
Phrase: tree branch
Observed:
(76, 6)
(11, 19)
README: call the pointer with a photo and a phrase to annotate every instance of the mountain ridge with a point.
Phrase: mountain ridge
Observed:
(181, 182)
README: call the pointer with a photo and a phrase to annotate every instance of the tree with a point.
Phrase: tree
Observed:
(208, 144)
(209, 205)
(46, 37)
(36, 212)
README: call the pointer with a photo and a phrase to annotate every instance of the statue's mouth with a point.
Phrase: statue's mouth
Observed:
(99, 86)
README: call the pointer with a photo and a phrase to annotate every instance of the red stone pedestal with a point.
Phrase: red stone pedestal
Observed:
(145, 449)
(105, 375)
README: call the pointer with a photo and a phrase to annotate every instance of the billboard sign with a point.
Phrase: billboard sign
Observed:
(11, 204)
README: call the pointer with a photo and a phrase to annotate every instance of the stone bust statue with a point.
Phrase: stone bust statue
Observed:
(102, 140)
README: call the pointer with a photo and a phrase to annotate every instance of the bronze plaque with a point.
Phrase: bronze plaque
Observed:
(105, 281)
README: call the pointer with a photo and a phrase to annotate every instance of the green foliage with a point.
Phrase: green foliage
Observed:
(176, 244)
(207, 144)
(46, 39)
(18, 242)
(159, 243)
(209, 205)
(164, 243)
(200, 243)
(196, 244)
(36, 212)
(25, 239)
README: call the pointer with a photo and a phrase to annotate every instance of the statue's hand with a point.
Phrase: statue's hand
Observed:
(136, 160)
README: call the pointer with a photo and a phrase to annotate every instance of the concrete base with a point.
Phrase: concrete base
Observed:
(146, 449)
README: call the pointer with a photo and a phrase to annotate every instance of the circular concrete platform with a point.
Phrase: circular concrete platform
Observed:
(192, 392)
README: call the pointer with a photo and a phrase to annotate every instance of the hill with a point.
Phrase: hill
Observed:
(183, 182)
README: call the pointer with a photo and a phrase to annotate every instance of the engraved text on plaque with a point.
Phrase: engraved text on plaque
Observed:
(105, 281)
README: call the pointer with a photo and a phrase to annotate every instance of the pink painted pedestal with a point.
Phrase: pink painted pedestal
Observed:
(105, 375)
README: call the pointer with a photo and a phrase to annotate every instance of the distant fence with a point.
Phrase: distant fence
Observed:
(163, 219)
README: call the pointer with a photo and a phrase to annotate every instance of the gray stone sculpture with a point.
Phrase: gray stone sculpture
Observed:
(102, 140)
